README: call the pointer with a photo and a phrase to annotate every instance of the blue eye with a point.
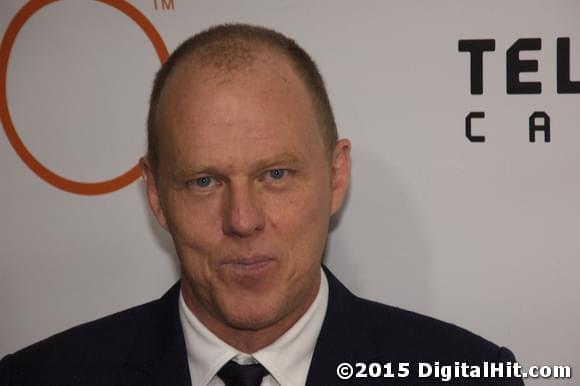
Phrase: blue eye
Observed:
(203, 182)
(277, 174)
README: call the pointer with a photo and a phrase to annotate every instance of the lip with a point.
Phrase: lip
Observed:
(249, 265)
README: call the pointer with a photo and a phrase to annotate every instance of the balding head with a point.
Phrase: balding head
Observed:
(228, 49)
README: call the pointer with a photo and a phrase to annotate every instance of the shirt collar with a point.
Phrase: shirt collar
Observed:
(287, 358)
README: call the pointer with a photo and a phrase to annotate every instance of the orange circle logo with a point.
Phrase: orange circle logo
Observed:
(87, 188)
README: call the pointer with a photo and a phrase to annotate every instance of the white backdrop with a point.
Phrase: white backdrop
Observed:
(483, 235)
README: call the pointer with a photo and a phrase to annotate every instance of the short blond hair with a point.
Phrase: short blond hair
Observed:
(229, 46)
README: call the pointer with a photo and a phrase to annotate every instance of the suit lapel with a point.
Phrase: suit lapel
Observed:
(343, 336)
(159, 356)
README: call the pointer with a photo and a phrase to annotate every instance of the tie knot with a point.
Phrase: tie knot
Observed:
(234, 374)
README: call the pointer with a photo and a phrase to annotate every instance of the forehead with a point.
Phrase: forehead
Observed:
(262, 104)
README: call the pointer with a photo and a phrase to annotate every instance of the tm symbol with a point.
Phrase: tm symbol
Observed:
(164, 5)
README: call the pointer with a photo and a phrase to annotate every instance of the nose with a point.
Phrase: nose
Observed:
(243, 212)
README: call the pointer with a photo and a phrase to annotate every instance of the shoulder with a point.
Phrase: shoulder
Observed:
(95, 349)
(412, 332)
(386, 330)
(113, 329)
(362, 332)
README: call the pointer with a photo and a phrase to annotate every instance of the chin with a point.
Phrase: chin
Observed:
(250, 314)
(250, 322)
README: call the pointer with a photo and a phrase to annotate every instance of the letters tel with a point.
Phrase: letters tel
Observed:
(515, 66)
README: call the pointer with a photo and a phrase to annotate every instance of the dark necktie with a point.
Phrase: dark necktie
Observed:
(234, 374)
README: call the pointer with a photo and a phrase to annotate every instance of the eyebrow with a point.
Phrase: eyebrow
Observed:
(280, 159)
(286, 159)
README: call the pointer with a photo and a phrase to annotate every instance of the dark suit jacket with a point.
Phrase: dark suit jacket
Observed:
(144, 346)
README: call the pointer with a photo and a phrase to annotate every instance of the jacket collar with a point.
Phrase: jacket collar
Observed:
(159, 355)
(344, 336)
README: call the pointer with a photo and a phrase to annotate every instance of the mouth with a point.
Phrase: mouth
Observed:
(247, 266)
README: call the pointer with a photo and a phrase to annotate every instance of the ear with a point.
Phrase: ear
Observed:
(152, 191)
(340, 174)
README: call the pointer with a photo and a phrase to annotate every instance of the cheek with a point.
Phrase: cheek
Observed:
(301, 219)
(196, 231)
(193, 224)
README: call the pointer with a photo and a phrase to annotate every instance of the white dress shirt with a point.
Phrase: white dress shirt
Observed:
(287, 359)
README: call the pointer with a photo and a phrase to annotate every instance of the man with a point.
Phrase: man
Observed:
(244, 169)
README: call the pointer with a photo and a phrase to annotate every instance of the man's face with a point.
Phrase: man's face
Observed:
(246, 189)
